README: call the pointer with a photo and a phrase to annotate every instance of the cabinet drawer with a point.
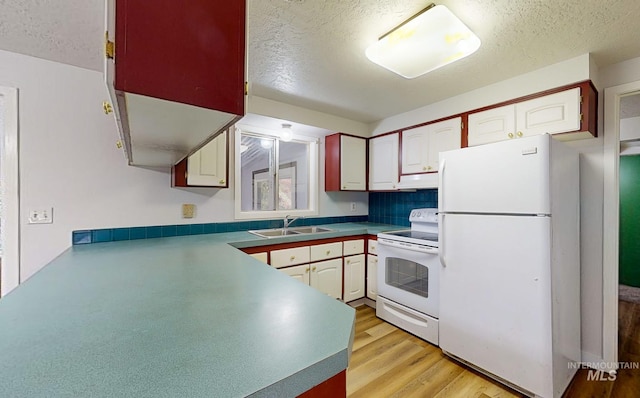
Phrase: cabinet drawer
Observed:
(293, 256)
(372, 246)
(353, 247)
(326, 251)
(260, 256)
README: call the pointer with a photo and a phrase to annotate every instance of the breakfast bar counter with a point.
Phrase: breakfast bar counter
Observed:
(188, 316)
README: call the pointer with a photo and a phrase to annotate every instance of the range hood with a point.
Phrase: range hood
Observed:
(418, 181)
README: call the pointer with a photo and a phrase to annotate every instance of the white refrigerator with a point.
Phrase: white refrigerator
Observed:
(510, 261)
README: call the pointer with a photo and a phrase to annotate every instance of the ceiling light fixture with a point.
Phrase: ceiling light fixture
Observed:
(432, 38)
(287, 133)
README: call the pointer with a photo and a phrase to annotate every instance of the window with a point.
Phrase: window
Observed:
(275, 178)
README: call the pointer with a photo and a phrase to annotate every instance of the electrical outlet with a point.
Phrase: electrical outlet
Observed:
(353, 206)
(41, 216)
(188, 210)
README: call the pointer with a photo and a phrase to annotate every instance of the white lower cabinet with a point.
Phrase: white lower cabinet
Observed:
(326, 276)
(299, 272)
(372, 276)
(354, 271)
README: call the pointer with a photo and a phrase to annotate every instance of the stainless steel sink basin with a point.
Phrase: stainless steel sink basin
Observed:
(272, 233)
(275, 232)
(310, 230)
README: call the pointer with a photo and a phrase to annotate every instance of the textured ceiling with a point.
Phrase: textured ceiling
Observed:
(310, 53)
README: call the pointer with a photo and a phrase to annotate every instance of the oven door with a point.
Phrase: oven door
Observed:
(408, 274)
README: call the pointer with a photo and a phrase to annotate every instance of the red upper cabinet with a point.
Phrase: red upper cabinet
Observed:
(190, 52)
(177, 76)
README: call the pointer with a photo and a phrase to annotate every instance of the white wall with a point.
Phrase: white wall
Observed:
(69, 161)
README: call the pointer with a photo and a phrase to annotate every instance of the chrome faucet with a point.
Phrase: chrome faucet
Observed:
(288, 221)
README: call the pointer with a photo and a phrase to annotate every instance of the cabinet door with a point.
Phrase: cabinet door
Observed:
(372, 277)
(198, 57)
(554, 113)
(299, 272)
(326, 276)
(354, 271)
(353, 163)
(414, 150)
(383, 162)
(443, 136)
(492, 125)
(208, 166)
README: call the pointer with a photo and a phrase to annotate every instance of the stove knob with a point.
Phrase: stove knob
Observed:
(419, 214)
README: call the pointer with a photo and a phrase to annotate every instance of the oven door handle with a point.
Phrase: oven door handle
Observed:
(442, 252)
(407, 246)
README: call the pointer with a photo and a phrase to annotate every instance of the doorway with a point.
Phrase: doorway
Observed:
(9, 188)
(614, 106)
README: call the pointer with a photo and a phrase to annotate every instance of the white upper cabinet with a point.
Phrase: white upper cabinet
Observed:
(383, 162)
(353, 161)
(345, 163)
(422, 145)
(553, 114)
(414, 150)
(208, 166)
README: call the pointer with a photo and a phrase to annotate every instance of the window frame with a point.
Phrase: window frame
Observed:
(314, 170)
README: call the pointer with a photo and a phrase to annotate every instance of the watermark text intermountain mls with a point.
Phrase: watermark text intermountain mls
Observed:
(603, 371)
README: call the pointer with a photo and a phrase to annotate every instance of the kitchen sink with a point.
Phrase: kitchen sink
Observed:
(272, 233)
(275, 232)
(310, 230)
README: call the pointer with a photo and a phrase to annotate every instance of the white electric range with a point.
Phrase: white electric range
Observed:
(408, 273)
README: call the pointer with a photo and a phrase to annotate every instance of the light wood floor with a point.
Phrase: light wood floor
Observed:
(389, 362)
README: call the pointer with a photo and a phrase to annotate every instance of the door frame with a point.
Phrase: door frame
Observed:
(611, 221)
(9, 169)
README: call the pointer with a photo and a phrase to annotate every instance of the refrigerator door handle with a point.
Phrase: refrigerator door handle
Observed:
(441, 184)
(442, 252)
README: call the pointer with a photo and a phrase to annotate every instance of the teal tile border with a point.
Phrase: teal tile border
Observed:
(88, 236)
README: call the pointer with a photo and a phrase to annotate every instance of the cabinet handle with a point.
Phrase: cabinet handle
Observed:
(328, 252)
(520, 134)
(106, 107)
(313, 269)
(348, 261)
(373, 248)
(510, 135)
(221, 181)
(306, 270)
(292, 258)
(424, 168)
(344, 187)
(429, 167)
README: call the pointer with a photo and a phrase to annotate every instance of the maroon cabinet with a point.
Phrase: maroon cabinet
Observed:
(191, 52)
(176, 75)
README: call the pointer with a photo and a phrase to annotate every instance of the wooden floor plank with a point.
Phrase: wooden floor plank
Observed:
(389, 362)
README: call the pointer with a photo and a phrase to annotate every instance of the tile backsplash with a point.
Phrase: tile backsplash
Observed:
(394, 207)
(87, 236)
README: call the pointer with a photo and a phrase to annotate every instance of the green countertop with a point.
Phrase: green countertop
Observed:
(172, 317)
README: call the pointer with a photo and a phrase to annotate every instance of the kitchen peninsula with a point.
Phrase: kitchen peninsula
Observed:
(185, 316)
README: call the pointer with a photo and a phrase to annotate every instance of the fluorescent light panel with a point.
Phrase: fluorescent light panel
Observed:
(428, 41)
